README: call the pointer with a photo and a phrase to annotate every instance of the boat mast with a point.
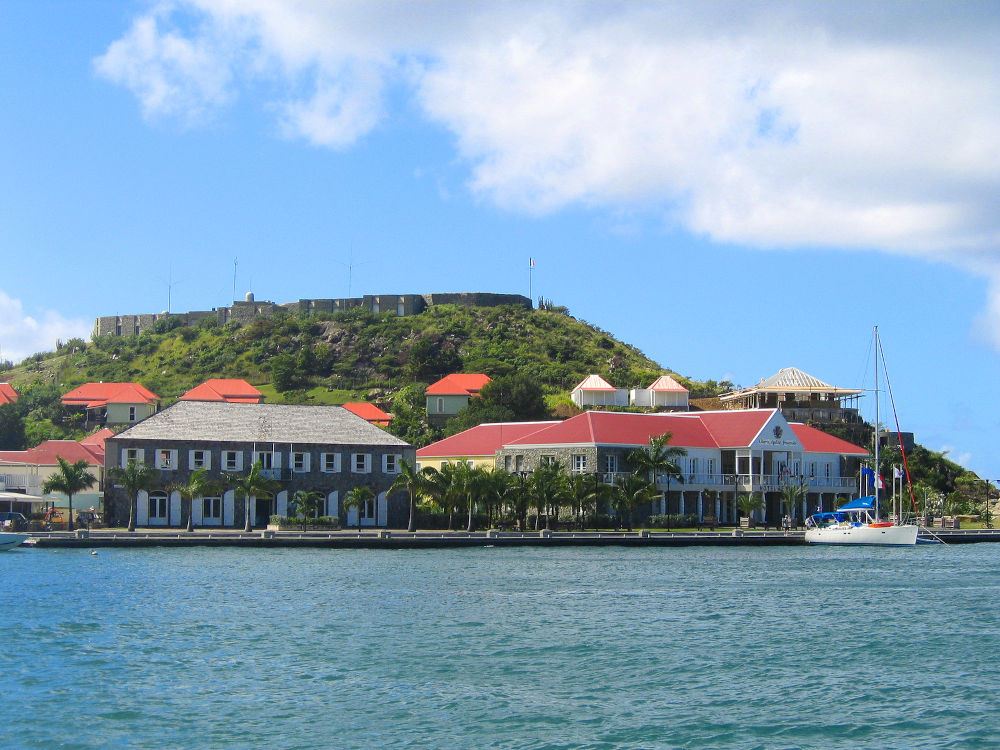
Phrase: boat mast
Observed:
(876, 475)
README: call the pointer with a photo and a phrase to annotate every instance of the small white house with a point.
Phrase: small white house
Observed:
(596, 391)
(664, 392)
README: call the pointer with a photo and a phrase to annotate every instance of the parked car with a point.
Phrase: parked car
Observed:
(13, 521)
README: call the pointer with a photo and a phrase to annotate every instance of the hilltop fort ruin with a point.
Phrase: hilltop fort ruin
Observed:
(246, 310)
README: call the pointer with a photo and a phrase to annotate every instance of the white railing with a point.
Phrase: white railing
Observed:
(31, 485)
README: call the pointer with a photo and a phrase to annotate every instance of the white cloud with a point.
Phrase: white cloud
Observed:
(22, 335)
(780, 125)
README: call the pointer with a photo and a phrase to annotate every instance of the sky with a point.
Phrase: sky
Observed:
(731, 187)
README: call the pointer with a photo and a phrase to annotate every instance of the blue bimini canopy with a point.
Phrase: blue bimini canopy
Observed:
(862, 503)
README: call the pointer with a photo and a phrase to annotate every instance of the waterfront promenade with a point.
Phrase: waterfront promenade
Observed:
(396, 539)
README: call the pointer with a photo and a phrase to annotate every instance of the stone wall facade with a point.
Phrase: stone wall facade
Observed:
(314, 478)
(244, 311)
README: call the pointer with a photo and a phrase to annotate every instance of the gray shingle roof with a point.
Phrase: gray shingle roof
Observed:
(278, 423)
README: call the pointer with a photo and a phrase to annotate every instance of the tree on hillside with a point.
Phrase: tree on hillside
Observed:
(134, 478)
(409, 416)
(12, 437)
(69, 479)
(509, 398)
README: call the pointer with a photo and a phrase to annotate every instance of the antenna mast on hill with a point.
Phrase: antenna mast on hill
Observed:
(350, 269)
(234, 277)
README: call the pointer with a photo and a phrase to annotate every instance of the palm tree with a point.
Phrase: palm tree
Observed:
(69, 479)
(791, 494)
(657, 460)
(306, 503)
(747, 504)
(249, 485)
(134, 478)
(550, 488)
(631, 492)
(445, 485)
(475, 482)
(358, 498)
(498, 486)
(584, 494)
(414, 482)
(198, 485)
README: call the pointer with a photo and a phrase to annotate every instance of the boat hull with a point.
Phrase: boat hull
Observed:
(871, 535)
(9, 541)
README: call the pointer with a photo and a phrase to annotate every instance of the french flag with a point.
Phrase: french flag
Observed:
(531, 262)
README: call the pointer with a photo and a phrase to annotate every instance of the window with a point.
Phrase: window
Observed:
(518, 463)
(131, 414)
(812, 468)
(266, 459)
(199, 460)
(580, 462)
(211, 508)
(158, 507)
(506, 463)
(232, 460)
(132, 456)
(611, 463)
(166, 459)
(300, 462)
(440, 406)
(390, 463)
(361, 463)
(710, 466)
(330, 462)
(547, 460)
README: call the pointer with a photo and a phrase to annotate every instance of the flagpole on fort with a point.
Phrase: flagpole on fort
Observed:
(531, 267)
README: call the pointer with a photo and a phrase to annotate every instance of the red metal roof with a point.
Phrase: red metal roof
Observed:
(817, 441)
(47, 453)
(369, 412)
(7, 393)
(667, 383)
(594, 383)
(721, 429)
(482, 440)
(458, 384)
(231, 390)
(102, 394)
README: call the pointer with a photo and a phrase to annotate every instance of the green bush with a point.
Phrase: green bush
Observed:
(672, 521)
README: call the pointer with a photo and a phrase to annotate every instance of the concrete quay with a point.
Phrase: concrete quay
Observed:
(395, 539)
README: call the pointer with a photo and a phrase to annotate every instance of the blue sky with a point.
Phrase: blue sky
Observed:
(733, 188)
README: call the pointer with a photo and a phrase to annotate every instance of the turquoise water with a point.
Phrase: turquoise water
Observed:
(490, 648)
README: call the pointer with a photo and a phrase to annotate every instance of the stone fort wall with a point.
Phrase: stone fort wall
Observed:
(246, 310)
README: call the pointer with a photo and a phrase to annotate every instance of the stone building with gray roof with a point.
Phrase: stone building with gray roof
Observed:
(322, 448)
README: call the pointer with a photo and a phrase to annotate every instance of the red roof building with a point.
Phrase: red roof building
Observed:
(458, 384)
(478, 444)
(113, 403)
(726, 452)
(369, 412)
(231, 390)
(451, 394)
(26, 471)
(7, 394)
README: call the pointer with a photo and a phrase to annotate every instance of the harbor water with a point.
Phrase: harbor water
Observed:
(786, 647)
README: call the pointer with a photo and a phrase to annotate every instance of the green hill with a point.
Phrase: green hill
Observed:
(349, 356)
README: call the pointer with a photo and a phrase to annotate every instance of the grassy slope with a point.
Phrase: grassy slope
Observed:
(349, 355)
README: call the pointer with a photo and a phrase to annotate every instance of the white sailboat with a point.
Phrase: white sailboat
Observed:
(858, 521)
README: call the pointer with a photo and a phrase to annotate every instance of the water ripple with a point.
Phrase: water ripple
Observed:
(567, 648)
